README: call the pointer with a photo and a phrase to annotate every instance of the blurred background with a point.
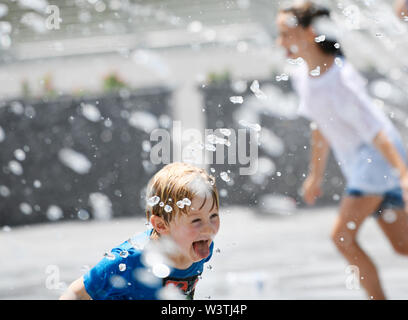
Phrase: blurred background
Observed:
(85, 82)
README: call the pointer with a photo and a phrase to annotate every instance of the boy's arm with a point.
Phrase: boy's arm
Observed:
(388, 150)
(76, 291)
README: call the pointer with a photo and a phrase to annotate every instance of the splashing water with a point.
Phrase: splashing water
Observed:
(109, 256)
(54, 213)
(90, 112)
(15, 167)
(224, 176)
(19, 155)
(253, 126)
(74, 160)
(101, 206)
(278, 204)
(26, 208)
(153, 201)
(144, 121)
(236, 99)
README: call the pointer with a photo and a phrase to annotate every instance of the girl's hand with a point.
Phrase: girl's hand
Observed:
(404, 187)
(311, 189)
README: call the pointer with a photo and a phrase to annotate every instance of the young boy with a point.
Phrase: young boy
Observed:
(182, 207)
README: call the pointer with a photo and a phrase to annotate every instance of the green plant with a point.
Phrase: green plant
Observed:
(112, 82)
(218, 77)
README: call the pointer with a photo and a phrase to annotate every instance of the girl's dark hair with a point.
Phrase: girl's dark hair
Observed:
(305, 14)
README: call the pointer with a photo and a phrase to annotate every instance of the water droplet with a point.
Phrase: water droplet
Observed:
(253, 126)
(224, 176)
(54, 213)
(101, 206)
(2, 134)
(170, 292)
(117, 282)
(122, 267)
(75, 160)
(37, 184)
(180, 204)
(161, 270)
(210, 147)
(315, 72)
(153, 201)
(225, 132)
(320, 38)
(26, 208)
(161, 204)
(351, 225)
(338, 61)
(254, 86)
(4, 191)
(90, 112)
(109, 256)
(236, 99)
(124, 254)
(15, 167)
(389, 216)
(19, 154)
(168, 208)
(282, 77)
(83, 214)
(187, 201)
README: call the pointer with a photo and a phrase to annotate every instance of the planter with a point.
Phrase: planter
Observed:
(57, 152)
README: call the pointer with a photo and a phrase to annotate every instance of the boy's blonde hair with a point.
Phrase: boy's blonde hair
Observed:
(176, 182)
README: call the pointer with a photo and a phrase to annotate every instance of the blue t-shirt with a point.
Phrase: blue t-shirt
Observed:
(122, 274)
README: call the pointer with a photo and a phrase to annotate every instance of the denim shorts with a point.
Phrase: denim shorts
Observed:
(392, 199)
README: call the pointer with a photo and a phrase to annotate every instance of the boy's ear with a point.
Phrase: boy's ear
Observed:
(159, 225)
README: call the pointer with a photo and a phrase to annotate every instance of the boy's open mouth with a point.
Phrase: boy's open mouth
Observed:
(202, 248)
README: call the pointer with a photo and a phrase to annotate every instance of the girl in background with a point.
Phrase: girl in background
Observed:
(364, 141)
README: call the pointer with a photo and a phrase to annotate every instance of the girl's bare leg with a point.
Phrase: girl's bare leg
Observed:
(395, 226)
(353, 211)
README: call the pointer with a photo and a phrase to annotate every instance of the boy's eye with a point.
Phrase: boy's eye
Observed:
(196, 220)
(214, 215)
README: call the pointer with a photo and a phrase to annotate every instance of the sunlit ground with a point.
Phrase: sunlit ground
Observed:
(255, 257)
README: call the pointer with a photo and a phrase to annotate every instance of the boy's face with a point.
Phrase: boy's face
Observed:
(193, 232)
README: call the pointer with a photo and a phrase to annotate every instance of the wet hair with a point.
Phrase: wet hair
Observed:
(176, 182)
(306, 13)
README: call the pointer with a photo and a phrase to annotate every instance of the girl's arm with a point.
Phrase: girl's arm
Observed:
(400, 7)
(389, 151)
(319, 154)
(76, 291)
(320, 151)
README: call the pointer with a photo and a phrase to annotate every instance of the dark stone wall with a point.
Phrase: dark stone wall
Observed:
(120, 167)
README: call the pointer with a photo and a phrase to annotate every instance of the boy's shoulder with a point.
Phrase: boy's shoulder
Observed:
(132, 249)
